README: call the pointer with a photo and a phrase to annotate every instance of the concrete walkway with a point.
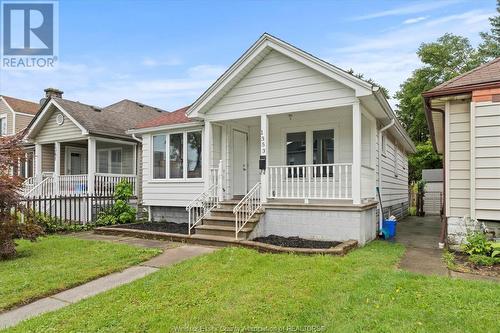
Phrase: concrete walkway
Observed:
(173, 253)
(420, 235)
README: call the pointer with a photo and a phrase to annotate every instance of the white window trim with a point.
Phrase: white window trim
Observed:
(109, 150)
(167, 178)
(4, 116)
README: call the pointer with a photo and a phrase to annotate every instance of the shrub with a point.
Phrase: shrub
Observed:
(52, 225)
(483, 260)
(476, 243)
(121, 212)
(412, 211)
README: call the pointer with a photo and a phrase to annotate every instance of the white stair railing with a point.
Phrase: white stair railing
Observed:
(28, 185)
(202, 205)
(44, 188)
(247, 207)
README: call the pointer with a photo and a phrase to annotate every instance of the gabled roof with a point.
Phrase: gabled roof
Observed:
(255, 53)
(484, 76)
(169, 118)
(21, 105)
(113, 120)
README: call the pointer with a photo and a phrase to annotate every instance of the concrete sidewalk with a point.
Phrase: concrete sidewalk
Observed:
(170, 256)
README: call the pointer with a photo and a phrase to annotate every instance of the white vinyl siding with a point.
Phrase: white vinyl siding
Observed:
(51, 131)
(459, 159)
(487, 161)
(278, 83)
(165, 193)
(22, 121)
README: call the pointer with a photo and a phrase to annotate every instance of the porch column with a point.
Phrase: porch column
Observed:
(91, 160)
(57, 167)
(38, 161)
(356, 153)
(206, 151)
(264, 143)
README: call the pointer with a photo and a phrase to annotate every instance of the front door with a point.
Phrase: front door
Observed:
(239, 163)
(76, 161)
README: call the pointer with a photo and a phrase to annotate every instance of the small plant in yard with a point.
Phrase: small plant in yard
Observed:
(476, 243)
(481, 251)
(449, 259)
(483, 260)
(12, 228)
(121, 211)
(53, 225)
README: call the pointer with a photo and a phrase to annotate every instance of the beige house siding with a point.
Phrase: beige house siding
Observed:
(48, 156)
(280, 83)
(51, 131)
(4, 110)
(487, 161)
(22, 121)
(459, 159)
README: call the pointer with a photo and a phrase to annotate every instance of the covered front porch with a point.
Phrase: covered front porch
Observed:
(90, 165)
(316, 156)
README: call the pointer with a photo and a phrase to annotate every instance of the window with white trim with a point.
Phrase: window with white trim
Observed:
(3, 125)
(184, 155)
(109, 160)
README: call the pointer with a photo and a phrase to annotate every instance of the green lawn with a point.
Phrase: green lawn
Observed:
(56, 263)
(363, 291)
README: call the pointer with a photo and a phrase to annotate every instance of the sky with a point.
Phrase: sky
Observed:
(167, 53)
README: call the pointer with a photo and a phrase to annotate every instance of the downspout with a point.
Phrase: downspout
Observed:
(444, 218)
(136, 138)
(380, 133)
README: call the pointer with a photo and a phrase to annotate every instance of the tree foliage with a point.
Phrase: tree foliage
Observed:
(443, 60)
(11, 227)
(424, 158)
(490, 47)
(371, 81)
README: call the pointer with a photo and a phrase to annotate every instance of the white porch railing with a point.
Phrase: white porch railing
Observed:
(247, 207)
(29, 184)
(105, 183)
(314, 181)
(42, 189)
(72, 184)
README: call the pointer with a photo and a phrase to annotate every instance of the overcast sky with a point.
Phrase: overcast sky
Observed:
(166, 53)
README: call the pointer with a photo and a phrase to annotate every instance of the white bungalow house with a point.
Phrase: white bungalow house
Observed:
(84, 149)
(282, 143)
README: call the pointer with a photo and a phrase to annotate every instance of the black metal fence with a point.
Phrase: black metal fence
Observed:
(64, 210)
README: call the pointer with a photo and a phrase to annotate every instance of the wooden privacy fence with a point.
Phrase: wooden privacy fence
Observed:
(64, 209)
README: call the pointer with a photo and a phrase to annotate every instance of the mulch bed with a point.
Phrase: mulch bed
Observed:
(171, 227)
(463, 265)
(295, 242)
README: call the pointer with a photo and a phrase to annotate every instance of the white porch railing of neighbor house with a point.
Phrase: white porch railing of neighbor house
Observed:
(247, 207)
(314, 181)
(72, 184)
(105, 183)
(368, 180)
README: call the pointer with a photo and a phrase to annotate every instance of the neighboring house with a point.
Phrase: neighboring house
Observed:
(283, 132)
(433, 199)
(81, 148)
(464, 122)
(15, 115)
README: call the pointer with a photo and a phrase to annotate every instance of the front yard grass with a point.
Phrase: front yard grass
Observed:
(57, 263)
(234, 287)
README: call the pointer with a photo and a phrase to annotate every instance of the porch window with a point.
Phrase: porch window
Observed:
(176, 156)
(323, 151)
(109, 160)
(159, 156)
(194, 154)
(295, 152)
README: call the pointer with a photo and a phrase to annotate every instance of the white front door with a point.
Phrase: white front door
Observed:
(239, 163)
(76, 161)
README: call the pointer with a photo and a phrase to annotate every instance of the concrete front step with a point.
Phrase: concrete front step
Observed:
(224, 231)
(228, 222)
(227, 212)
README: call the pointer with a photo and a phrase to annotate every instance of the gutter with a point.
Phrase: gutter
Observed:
(380, 133)
(428, 113)
(136, 138)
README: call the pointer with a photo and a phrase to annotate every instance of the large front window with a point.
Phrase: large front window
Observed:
(184, 155)
(109, 160)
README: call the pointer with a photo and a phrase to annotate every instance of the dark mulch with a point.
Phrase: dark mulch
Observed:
(295, 242)
(465, 266)
(175, 228)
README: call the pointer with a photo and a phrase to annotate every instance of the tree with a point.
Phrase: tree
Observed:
(371, 81)
(443, 59)
(490, 47)
(11, 227)
(424, 158)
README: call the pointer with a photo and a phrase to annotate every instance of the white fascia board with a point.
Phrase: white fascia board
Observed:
(361, 87)
(164, 127)
(43, 114)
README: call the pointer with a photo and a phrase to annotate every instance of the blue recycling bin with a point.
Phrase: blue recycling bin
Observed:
(389, 228)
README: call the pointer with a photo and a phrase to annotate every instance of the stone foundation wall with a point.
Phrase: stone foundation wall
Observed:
(169, 214)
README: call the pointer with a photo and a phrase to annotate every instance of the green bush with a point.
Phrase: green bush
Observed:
(51, 225)
(483, 260)
(495, 246)
(412, 211)
(121, 212)
(476, 243)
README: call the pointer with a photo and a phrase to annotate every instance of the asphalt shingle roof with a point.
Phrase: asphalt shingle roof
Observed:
(170, 118)
(21, 105)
